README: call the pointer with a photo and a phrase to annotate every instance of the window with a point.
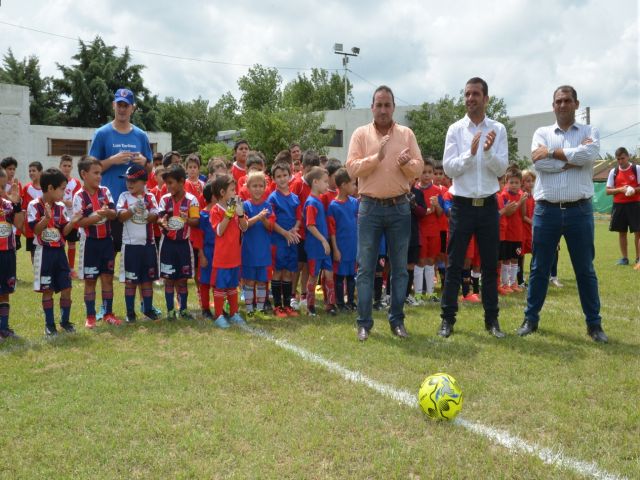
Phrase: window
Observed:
(60, 146)
(336, 141)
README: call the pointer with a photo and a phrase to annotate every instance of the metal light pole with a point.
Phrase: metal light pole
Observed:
(338, 50)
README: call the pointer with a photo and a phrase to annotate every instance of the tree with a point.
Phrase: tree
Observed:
(214, 149)
(319, 92)
(44, 102)
(227, 110)
(191, 123)
(89, 86)
(431, 122)
(260, 89)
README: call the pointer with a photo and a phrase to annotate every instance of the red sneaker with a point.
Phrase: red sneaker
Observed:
(472, 298)
(516, 288)
(290, 312)
(90, 322)
(111, 319)
(280, 312)
(504, 290)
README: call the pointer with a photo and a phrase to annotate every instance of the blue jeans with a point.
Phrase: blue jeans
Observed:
(464, 221)
(394, 221)
(576, 224)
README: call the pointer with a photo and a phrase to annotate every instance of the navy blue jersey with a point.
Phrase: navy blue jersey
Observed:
(285, 208)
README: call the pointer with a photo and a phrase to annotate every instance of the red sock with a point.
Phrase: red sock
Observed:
(232, 298)
(204, 296)
(311, 291)
(71, 255)
(218, 300)
(329, 286)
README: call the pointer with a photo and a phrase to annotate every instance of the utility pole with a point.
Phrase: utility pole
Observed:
(338, 50)
(588, 114)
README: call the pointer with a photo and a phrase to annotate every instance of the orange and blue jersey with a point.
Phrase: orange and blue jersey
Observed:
(7, 236)
(227, 253)
(313, 214)
(256, 241)
(286, 210)
(88, 204)
(51, 236)
(342, 218)
(177, 213)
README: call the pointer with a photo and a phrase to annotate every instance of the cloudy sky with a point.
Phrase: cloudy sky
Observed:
(422, 49)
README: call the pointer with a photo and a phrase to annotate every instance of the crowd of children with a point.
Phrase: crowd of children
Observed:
(245, 231)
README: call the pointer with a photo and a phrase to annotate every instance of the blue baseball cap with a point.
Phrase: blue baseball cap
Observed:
(135, 172)
(124, 95)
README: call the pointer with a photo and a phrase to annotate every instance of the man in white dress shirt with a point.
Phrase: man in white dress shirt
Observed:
(563, 155)
(475, 155)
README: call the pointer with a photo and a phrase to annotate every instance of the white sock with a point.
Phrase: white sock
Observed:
(418, 279)
(513, 277)
(504, 273)
(429, 272)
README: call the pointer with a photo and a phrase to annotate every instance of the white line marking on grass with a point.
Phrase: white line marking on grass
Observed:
(501, 437)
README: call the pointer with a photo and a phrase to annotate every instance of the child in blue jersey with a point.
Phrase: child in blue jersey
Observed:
(343, 223)
(256, 244)
(206, 253)
(316, 243)
(285, 206)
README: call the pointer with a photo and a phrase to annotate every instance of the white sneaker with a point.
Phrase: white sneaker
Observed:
(555, 282)
(412, 302)
(294, 304)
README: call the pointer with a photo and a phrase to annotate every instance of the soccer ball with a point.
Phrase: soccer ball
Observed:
(440, 396)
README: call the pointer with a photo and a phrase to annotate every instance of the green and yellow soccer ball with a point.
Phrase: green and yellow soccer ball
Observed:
(440, 397)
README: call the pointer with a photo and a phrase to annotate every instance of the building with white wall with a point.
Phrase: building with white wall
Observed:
(45, 143)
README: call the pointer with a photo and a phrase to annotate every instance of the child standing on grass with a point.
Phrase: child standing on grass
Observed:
(11, 216)
(256, 243)
(51, 272)
(194, 186)
(317, 246)
(94, 205)
(228, 221)
(206, 254)
(155, 191)
(528, 180)
(10, 165)
(286, 209)
(179, 212)
(73, 186)
(31, 191)
(343, 225)
(138, 211)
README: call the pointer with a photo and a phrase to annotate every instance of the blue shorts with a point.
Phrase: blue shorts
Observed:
(205, 272)
(225, 277)
(317, 264)
(50, 269)
(176, 259)
(344, 267)
(7, 272)
(138, 264)
(256, 274)
(96, 257)
(286, 258)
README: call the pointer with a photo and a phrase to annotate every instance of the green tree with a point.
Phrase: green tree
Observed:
(260, 89)
(191, 123)
(431, 122)
(45, 103)
(320, 91)
(88, 86)
(214, 149)
(227, 110)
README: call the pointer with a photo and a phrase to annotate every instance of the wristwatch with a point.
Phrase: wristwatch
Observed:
(550, 154)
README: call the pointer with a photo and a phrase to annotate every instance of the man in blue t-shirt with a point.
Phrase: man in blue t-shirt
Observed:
(118, 144)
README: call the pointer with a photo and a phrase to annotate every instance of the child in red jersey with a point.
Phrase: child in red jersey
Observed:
(31, 191)
(155, 191)
(429, 232)
(97, 255)
(11, 215)
(333, 165)
(195, 187)
(442, 181)
(528, 180)
(73, 185)
(10, 165)
(240, 153)
(255, 163)
(157, 162)
(179, 212)
(51, 272)
(217, 166)
(228, 221)
(512, 200)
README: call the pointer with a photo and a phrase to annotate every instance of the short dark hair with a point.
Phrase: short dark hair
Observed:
(333, 165)
(216, 162)
(341, 177)
(383, 88)
(566, 88)
(294, 144)
(51, 177)
(240, 142)
(207, 192)
(513, 172)
(316, 173)
(221, 183)
(478, 80)
(428, 162)
(166, 160)
(284, 156)
(157, 156)
(438, 166)
(37, 165)
(254, 158)
(280, 166)
(622, 151)
(175, 171)
(66, 158)
(8, 161)
(86, 163)
(310, 158)
(193, 158)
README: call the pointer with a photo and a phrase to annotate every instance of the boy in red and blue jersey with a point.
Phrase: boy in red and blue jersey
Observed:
(11, 215)
(51, 273)
(97, 255)
(228, 221)
(206, 254)
(285, 206)
(342, 217)
(316, 244)
(178, 212)
(138, 211)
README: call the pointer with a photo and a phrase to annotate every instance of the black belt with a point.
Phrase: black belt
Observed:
(475, 202)
(563, 205)
(387, 202)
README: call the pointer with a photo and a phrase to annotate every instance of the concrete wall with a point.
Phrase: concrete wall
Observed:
(526, 125)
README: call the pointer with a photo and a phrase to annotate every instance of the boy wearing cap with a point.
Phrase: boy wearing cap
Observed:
(138, 211)
(94, 204)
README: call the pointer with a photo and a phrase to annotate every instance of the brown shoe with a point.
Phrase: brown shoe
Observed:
(400, 331)
(363, 334)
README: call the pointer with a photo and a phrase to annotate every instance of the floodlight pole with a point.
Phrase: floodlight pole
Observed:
(355, 51)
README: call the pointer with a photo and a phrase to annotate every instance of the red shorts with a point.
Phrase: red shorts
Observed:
(526, 246)
(429, 247)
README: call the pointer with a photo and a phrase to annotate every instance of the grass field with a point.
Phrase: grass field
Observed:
(186, 400)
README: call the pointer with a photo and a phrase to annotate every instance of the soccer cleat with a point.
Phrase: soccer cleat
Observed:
(68, 327)
(186, 315)
(131, 317)
(50, 330)
(100, 314)
(294, 304)
(433, 298)
(8, 333)
(237, 319)
(152, 315)
(623, 261)
(311, 311)
(206, 314)
(412, 301)
(352, 306)
(516, 288)
(331, 310)
(378, 306)
(280, 312)
(504, 290)
(555, 282)
(471, 298)
(251, 314)
(111, 319)
(290, 312)
(90, 323)
(221, 322)
(172, 316)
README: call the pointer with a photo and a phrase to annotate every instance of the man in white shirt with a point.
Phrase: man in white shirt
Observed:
(563, 155)
(475, 155)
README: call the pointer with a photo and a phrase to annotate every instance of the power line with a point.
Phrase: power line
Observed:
(376, 86)
(621, 130)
